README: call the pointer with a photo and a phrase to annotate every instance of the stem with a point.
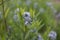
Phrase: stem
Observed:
(4, 19)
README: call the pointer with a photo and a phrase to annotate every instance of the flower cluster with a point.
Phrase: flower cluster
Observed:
(27, 18)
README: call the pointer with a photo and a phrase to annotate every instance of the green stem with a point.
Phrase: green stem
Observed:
(4, 19)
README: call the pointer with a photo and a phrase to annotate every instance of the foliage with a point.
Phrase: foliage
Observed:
(12, 25)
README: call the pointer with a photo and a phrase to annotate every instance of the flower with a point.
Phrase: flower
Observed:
(17, 10)
(40, 37)
(52, 35)
(19, 2)
(9, 30)
(35, 5)
(26, 22)
(15, 17)
(33, 30)
(9, 27)
(26, 14)
(41, 10)
(49, 4)
(27, 18)
(58, 16)
(54, 11)
(28, 2)
(52, 7)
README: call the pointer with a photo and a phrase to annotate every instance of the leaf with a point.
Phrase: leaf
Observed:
(27, 35)
(6, 13)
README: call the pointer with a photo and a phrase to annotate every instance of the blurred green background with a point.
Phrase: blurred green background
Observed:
(44, 14)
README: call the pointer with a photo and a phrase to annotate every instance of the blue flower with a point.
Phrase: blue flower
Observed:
(40, 37)
(52, 35)
(27, 18)
(26, 22)
(26, 13)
